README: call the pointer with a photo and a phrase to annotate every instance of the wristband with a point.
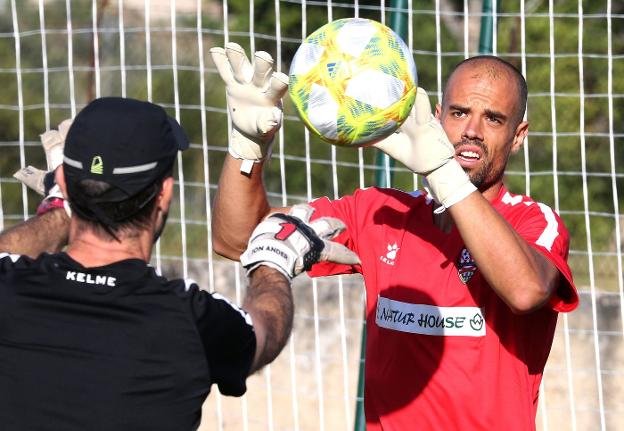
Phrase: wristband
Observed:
(52, 203)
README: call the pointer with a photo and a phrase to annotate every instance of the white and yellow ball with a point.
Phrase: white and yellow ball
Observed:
(353, 82)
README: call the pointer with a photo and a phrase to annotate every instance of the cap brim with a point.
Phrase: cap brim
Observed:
(178, 133)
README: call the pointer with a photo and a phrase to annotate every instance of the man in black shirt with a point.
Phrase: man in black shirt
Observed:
(93, 338)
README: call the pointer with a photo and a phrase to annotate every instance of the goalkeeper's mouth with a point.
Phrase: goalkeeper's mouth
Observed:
(468, 156)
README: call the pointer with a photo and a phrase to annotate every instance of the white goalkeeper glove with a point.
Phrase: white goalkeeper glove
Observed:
(43, 182)
(291, 244)
(254, 96)
(422, 145)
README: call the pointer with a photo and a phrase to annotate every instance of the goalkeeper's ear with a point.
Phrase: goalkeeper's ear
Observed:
(522, 130)
(438, 111)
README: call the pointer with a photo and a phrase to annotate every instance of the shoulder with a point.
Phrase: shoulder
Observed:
(544, 230)
(371, 199)
(203, 303)
(14, 262)
(521, 209)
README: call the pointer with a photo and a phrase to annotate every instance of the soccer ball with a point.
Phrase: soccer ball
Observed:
(353, 82)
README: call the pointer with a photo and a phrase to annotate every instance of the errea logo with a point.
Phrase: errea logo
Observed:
(391, 254)
(86, 278)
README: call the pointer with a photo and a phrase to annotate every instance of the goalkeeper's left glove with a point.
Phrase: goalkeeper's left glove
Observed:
(43, 182)
(254, 96)
(422, 145)
(291, 244)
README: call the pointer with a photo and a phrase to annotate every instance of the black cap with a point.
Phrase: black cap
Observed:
(127, 143)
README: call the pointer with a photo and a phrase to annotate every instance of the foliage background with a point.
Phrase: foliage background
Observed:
(575, 140)
(293, 176)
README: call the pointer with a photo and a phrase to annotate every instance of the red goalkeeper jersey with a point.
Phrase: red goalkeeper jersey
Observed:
(443, 351)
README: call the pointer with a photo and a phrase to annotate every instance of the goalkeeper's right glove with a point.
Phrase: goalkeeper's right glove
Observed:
(43, 182)
(254, 96)
(422, 145)
(291, 244)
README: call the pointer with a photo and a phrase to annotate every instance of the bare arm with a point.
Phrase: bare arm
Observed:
(519, 274)
(239, 205)
(48, 232)
(270, 303)
(253, 93)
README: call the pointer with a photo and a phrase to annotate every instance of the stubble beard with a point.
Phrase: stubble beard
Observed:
(482, 177)
(477, 176)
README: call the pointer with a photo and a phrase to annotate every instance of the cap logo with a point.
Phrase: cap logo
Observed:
(97, 165)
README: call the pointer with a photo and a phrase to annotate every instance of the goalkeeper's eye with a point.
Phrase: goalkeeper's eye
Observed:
(494, 119)
(457, 114)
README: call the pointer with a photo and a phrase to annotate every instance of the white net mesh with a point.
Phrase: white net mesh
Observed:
(55, 56)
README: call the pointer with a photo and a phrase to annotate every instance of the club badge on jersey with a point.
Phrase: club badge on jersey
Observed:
(466, 266)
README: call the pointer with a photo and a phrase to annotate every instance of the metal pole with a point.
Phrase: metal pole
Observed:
(486, 34)
(398, 23)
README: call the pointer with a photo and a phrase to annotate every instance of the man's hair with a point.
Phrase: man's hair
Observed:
(483, 60)
(134, 214)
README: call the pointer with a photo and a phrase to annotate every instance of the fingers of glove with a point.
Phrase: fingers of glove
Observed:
(32, 178)
(328, 227)
(278, 86)
(338, 253)
(422, 107)
(222, 64)
(64, 126)
(262, 69)
(241, 67)
(302, 211)
(53, 142)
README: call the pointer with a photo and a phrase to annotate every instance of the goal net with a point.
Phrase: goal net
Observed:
(56, 55)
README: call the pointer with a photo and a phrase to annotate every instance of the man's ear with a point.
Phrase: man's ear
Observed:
(522, 130)
(166, 194)
(438, 111)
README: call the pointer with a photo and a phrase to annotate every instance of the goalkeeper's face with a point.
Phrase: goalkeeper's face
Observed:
(480, 115)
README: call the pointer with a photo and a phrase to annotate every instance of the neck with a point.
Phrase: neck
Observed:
(90, 249)
(493, 191)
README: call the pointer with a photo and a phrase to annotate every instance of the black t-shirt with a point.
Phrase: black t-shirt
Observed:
(112, 348)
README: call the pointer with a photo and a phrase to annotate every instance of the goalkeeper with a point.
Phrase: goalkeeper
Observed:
(93, 338)
(463, 281)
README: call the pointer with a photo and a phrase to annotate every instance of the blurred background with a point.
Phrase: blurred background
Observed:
(57, 55)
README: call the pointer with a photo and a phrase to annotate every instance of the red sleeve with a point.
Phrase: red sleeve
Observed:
(543, 229)
(343, 209)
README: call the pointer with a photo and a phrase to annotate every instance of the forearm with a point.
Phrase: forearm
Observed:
(48, 232)
(521, 276)
(269, 301)
(240, 203)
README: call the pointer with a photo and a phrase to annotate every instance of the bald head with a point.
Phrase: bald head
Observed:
(494, 68)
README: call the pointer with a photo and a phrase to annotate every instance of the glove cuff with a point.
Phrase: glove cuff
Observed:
(248, 150)
(51, 203)
(247, 164)
(54, 199)
(449, 184)
(270, 252)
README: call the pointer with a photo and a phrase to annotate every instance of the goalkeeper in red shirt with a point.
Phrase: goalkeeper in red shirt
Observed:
(464, 280)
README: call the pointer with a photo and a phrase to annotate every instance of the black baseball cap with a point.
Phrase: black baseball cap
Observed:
(126, 143)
